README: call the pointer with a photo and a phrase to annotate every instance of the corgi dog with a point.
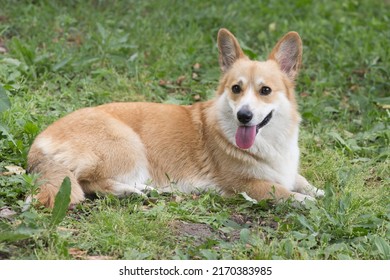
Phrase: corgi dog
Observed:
(245, 140)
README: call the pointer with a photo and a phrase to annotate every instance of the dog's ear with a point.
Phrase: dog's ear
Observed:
(229, 49)
(288, 54)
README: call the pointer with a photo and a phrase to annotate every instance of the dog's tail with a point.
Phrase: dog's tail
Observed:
(52, 174)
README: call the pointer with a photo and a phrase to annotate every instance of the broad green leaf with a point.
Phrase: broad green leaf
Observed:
(244, 235)
(12, 236)
(5, 131)
(103, 32)
(134, 254)
(339, 139)
(61, 202)
(335, 248)
(305, 223)
(208, 254)
(383, 100)
(5, 104)
(299, 235)
(232, 224)
(383, 246)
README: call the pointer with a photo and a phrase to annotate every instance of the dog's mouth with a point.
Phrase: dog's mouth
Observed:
(264, 122)
(245, 135)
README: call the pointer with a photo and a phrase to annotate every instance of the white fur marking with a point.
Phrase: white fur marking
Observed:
(136, 179)
(44, 144)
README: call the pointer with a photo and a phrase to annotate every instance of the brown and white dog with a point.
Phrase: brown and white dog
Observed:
(244, 140)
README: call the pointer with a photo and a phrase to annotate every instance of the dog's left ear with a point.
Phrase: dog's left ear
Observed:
(288, 54)
(229, 49)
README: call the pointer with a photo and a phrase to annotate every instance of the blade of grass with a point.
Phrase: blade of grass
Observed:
(4, 100)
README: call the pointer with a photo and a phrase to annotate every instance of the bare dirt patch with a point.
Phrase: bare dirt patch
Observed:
(200, 232)
(203, 232)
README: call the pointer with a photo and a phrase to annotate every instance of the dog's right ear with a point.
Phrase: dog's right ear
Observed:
(229, 49)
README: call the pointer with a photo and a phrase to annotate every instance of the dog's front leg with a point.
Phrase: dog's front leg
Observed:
(262, 189)
(303, 186)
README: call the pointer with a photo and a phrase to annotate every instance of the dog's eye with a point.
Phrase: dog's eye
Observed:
(236, 89)
(265, 90)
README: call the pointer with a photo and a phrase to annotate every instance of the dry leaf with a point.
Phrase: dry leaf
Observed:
(384, 106)
(196, 66)
(360, 72)
(180, 80)
(164, 83)
(3, 49)
(64, 229)
(145, 208)
(248, 198)
(7, 213)
(272, 27)
(99, 258)
(304, 94)
(354, 88)
(77, 253)
(76, 39)
(178, 199)
(197, 97)
(13, 170)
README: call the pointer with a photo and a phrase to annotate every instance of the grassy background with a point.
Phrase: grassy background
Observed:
(57, 57)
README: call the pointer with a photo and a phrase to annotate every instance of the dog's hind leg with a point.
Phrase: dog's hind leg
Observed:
(117, 188)
(51, 177)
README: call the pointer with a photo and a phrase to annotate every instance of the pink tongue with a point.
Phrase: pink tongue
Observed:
(245, 136)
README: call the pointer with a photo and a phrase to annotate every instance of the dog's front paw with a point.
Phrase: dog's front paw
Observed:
(313, 191)
(304, 187)
(319, 192)
(302, 198)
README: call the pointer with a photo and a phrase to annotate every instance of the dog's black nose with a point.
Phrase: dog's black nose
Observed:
(244, 115)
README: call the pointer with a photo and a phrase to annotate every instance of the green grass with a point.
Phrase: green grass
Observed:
(56, 58)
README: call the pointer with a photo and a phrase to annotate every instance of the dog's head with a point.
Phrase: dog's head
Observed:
(258, 92)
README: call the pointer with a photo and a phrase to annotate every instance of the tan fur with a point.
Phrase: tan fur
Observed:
(101, 149)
